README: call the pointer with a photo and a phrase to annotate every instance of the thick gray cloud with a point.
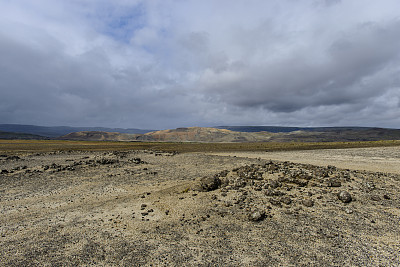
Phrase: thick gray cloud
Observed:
(163, 64)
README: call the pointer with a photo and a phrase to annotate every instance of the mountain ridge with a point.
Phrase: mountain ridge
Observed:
(57, 131)
(214, 135)
(203, 134)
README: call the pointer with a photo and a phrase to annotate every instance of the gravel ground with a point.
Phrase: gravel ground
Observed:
(378, 159)
(159, 209)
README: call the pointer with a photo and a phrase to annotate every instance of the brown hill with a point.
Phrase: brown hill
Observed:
(99, 136)
(203, 134)
(214, 135)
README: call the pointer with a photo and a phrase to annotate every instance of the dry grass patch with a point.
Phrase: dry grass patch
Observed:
(36, 146)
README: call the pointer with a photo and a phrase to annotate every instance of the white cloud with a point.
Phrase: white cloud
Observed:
(163, 64)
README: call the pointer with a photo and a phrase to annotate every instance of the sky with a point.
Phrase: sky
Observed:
(158, 64)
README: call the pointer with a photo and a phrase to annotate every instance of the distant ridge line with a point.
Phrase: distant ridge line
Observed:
(288, 129)
(56, 131)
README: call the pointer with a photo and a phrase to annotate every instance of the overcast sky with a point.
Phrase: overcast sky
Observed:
(166, 64)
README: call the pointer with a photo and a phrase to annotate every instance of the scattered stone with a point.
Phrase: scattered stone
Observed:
(301, 183)
(274, 184)
(334, 183)
(105, 161)
(207, 184)
(308, 202)
(143, 206)
(228, 204)
(345, 197)
(286, 200)
(348, 211)
(275, 202)
(386, 196)
(271, 193)
(375, 198)
(137, 161)
(13, 158)
(257, 215)
(370, 186)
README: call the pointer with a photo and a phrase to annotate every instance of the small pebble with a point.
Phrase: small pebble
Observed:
(348, 211)
(375, 198)
(308, 202)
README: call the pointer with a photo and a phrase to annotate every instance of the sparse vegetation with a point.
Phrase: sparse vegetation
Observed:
(32, 146)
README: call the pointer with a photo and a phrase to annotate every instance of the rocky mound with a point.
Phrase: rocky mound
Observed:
(247, 189)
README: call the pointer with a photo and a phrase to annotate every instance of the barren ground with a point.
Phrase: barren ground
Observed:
(153, 209)
(377, 159)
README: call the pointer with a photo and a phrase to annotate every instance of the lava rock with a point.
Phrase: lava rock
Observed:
(275, 202)
(345, 197)
(257, 215)
(334, 183)
(308, 202)
(105, 161)
(270, 193)
(209, 183)
(274, 184)
(376, 198)
(206, 184)
(13, 158)
(286, 200)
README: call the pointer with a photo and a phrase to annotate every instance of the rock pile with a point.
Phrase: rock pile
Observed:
(255, 191)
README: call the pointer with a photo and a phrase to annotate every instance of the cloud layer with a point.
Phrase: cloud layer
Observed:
(164, 63)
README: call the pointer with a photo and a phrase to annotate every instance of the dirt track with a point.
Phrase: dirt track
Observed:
(146, 208)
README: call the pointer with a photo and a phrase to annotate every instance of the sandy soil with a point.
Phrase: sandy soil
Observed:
(158, 209)
(379, 159)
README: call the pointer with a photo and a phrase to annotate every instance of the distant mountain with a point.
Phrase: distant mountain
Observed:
(203, 134)
(214, 135)
(283, 129)
(21, 136)
(99, 136)
(192, 134)
(56, 131)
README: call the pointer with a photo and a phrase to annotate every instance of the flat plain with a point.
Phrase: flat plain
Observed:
(65, 203)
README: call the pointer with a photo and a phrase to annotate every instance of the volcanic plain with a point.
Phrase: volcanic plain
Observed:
(123, 204)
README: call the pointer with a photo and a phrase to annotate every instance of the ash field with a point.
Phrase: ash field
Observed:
(152, 208)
